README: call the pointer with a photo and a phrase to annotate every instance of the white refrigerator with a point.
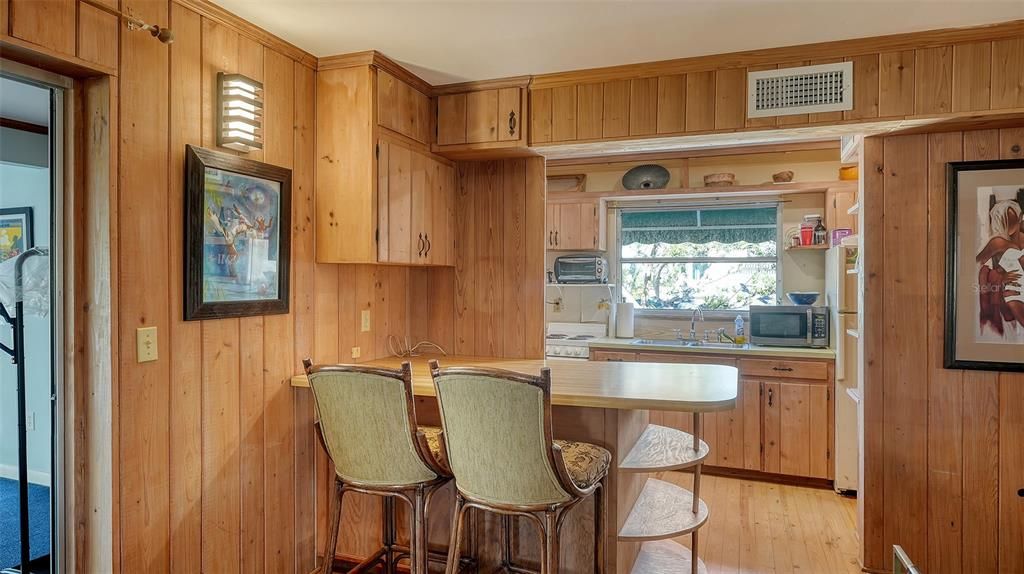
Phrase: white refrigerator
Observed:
(841, 298)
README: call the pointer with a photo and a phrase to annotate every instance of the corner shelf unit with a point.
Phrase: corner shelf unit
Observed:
(664, 510)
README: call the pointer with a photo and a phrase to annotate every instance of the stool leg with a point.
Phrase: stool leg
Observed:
(599, 518)
(332, 533)
(550, 543)
(388, 509)
(418, 535)
(458, 513)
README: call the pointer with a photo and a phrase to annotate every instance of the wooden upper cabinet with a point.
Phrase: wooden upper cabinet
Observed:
(576, 225)
(402, 108)
(381, 196)
(481, 119)
(47, 23)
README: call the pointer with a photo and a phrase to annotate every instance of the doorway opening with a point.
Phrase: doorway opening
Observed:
(31, 390)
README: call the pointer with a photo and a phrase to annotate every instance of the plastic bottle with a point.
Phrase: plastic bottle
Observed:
(739, 325)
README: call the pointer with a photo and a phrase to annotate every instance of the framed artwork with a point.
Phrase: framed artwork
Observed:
(237, 236)
(984, 276)
(15, 232)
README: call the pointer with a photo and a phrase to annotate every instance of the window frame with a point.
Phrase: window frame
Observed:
(617, 261)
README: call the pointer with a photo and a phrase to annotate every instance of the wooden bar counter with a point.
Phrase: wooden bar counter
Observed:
(604, 403)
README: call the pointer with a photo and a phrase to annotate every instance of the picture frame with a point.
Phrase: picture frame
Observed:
(984, 280)
(237, 236)
(16, 232)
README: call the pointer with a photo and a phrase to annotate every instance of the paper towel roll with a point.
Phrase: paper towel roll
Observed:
(624, 320)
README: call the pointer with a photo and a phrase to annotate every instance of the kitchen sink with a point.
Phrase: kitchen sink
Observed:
(678, 343)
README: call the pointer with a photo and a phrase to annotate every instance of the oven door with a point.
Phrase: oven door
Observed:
(784, 326)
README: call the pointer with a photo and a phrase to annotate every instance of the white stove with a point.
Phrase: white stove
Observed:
(571, 340)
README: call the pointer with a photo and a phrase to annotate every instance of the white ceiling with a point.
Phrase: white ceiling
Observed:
(24, 102)
(455, 41)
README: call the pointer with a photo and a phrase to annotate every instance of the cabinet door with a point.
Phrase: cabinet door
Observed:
(440, 244)
(451, 119)
(510, 117)
(568, 233)
(394, 203)
(422, 211)
(402, 108)
(553, 218)
(837, 203)
(797, 428)
(482, 116)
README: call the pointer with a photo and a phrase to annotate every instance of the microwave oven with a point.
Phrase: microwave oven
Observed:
(581, 269)
(789, 326)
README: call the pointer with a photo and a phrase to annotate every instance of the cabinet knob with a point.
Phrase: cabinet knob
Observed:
(512, 123)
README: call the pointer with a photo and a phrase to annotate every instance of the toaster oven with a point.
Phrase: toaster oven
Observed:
(581, 269)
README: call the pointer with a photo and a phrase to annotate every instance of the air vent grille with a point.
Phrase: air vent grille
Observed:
(807, 89)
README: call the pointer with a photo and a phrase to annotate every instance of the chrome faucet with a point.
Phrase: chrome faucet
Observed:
(693, 322)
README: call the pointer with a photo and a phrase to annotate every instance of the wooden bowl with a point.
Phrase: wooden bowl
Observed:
(782, 177)
(719, 179)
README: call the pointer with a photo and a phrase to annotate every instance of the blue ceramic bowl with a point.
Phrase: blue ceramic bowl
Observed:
(802, 297)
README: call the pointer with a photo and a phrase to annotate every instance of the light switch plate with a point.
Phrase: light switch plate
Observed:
(145, 344)
(356, 352)
(366, 320)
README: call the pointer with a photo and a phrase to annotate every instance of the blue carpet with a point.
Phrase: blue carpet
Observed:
(38, 522)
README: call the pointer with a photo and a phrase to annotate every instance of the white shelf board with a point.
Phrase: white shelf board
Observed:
(662, 448)
(663, 510)
(581, 285)
(665, 557)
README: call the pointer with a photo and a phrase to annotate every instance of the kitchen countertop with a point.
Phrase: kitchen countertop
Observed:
(745, 351)
(627, 386)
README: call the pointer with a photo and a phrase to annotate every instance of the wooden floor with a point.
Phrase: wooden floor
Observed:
(757, 527)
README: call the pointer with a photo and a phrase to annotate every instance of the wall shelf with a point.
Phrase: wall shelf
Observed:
(662, 448)
(853, 333)
(662, 511)
(821, 247)
(854, 209)
(609, 285)
(666, 557)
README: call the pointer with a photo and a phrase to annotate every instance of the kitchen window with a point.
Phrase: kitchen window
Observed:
(721, 258)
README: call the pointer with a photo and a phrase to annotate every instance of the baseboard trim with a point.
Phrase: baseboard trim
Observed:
(757, 475)
(34, 476)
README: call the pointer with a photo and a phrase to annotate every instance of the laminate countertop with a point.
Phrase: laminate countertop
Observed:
(668, 346)
(627, 386)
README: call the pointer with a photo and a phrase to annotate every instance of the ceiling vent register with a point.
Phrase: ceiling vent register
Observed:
(802, 90)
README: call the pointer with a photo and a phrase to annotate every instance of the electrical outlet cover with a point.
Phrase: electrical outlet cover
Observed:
(145, 344)
(365, 320)
(356, 352)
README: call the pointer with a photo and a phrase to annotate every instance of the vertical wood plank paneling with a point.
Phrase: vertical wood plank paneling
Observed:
(751, 417)
(972, 76)
(534, 277)
(47, 23)
(865, 87)
(730, 98)
(672, 104)
(981, 433)
(897, 72)
(1008, 73)
(700, 101)
(905, 437)
(589, 111)
(540, 116)
(819, 431)
(489, 236)
(279, 341)
(513, 259)
(303, 311)
(465, 255)
(794, 454)
(97, 35)
(934, 83)
(185, 337)
(143, 299)
(451, 119)
(563, 113)
(761, 122)
(482, 116)
(945, 399)
(643, 106)
(616, 108)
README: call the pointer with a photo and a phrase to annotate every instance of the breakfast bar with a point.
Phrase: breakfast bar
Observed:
(607, 404)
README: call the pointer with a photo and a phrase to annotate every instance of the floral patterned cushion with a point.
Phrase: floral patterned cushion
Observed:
(587, 463)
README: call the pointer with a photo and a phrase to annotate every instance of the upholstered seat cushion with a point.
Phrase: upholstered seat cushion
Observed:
(586, 463)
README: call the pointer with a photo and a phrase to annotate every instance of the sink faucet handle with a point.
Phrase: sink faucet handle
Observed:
(679, 333)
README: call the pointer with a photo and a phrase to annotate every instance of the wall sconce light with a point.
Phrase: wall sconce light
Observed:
(239, 112)
(165, 35)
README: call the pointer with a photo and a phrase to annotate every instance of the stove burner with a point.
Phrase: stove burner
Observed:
(557, 336)
(581, 338)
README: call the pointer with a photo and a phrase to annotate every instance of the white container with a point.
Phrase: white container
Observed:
(624, 320)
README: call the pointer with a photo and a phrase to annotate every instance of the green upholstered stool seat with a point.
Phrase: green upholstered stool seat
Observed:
(586, 463)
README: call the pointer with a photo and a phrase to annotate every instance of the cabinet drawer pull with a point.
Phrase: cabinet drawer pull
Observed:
(426, 238)
(556, 238)
(420, 254)
(551, 237)
(771, 397)
(511, 123)
(784, 369)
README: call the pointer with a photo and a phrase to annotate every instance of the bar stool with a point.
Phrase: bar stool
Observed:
(367, 424)
(498, 443)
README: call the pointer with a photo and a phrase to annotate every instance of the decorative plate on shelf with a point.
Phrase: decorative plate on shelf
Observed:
(649, 176)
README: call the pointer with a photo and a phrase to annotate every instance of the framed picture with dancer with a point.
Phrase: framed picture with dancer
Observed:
(984, 274)
(237, 236)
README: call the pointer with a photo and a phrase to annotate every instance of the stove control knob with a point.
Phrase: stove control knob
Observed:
(557, 351)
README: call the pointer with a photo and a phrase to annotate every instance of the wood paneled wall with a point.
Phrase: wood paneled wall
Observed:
(499, 269)
(214, 458)
(944, 461)
(927, 74)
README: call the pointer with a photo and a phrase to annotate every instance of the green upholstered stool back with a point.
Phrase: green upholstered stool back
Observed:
(367, 424)
(498, 437)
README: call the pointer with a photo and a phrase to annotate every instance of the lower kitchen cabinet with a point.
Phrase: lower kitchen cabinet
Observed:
(779, 425)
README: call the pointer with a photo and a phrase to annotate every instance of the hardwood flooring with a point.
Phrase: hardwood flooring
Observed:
(758, 527)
